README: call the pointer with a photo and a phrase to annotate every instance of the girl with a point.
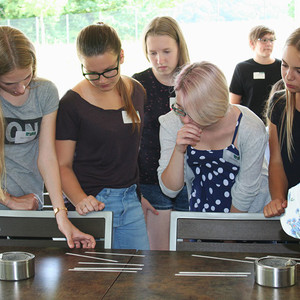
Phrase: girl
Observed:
(219, 147)
(284, 135)
(166, 49)
(99, 127)
(29, 106)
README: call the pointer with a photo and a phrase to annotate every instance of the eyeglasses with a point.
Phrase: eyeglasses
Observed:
(91, 76)
(265, 41)
(179, 111)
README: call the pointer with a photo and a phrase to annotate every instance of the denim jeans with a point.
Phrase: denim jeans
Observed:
(158, 200)
(129, 227)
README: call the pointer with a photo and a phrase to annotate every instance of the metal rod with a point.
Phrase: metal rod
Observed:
(121, 254)
(86, 256)
(223, 258)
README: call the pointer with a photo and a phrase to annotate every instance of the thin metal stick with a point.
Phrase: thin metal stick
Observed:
(216, 273)
(121, 254)
(116, 271)
(86, 256)
(97, 268)
(114, 264)
(220, 258)
(212, 274)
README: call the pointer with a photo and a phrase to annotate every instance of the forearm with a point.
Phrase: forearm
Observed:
(278, 183)
(71, 186)
(173, 176)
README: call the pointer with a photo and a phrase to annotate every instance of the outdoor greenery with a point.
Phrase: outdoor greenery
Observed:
(59, 21)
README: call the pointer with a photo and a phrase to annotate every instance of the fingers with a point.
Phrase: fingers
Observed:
(89, 204)
(275, 208)
(189, 134)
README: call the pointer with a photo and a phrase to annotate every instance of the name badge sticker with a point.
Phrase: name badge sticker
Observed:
(24, 136)
(259, 75)
(127, 119)
(231, 157)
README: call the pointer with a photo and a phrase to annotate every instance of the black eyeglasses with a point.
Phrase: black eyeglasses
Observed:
(91, 76)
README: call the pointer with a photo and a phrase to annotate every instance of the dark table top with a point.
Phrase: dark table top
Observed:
(156, 280)
(53, 280)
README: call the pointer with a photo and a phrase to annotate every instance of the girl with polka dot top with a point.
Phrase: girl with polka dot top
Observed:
(216, 148)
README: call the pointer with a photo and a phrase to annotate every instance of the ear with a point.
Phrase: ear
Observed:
(252, 44)
(121, 56)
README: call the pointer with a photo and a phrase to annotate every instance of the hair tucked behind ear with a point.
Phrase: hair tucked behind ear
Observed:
(101, 38)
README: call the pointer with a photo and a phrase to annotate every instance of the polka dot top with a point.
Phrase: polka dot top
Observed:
(215, 172)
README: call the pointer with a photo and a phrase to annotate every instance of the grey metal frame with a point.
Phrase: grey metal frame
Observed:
(36, 228)
(249, 231)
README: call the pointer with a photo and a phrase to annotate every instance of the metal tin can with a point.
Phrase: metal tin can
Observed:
(16, 265)
(275, 272)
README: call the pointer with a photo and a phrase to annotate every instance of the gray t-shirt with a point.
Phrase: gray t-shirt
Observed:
(22, 131)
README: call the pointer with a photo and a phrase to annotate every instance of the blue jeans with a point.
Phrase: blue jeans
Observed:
(160, 201)
(129, 227)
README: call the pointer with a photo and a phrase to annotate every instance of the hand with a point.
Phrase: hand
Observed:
(75, 237)
(25, 202)
(189, 134)
(88, 204)
(147, 206)
(275, 208)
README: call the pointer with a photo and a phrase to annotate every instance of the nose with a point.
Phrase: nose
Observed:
(159, 59)
(289, 75)
(21, 88)
(102, 79)
(186, 119)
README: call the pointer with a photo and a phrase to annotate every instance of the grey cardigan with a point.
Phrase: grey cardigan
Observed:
(250, 191)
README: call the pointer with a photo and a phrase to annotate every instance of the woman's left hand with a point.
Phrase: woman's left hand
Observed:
(75, 237)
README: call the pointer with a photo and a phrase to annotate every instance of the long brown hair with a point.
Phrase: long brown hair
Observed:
(96, 40)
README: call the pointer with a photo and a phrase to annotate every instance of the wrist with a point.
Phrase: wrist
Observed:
(7, 199)
(60, 211)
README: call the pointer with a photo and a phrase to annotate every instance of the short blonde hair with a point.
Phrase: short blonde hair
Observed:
(204, 90)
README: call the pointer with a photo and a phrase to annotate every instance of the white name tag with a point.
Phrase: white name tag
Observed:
(24, 136)
(172, 101)
(127, 119)
(231, 157)
(258, 75)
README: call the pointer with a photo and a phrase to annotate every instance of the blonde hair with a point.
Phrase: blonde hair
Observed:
(167, 26)
(16, 51)
(204, 91)
(2, 160)
(289, 112)
(96, 40)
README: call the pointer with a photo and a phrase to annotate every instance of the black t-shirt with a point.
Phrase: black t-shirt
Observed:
(276, 109)
(253, 82)
(157, 104)
(106, 147)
